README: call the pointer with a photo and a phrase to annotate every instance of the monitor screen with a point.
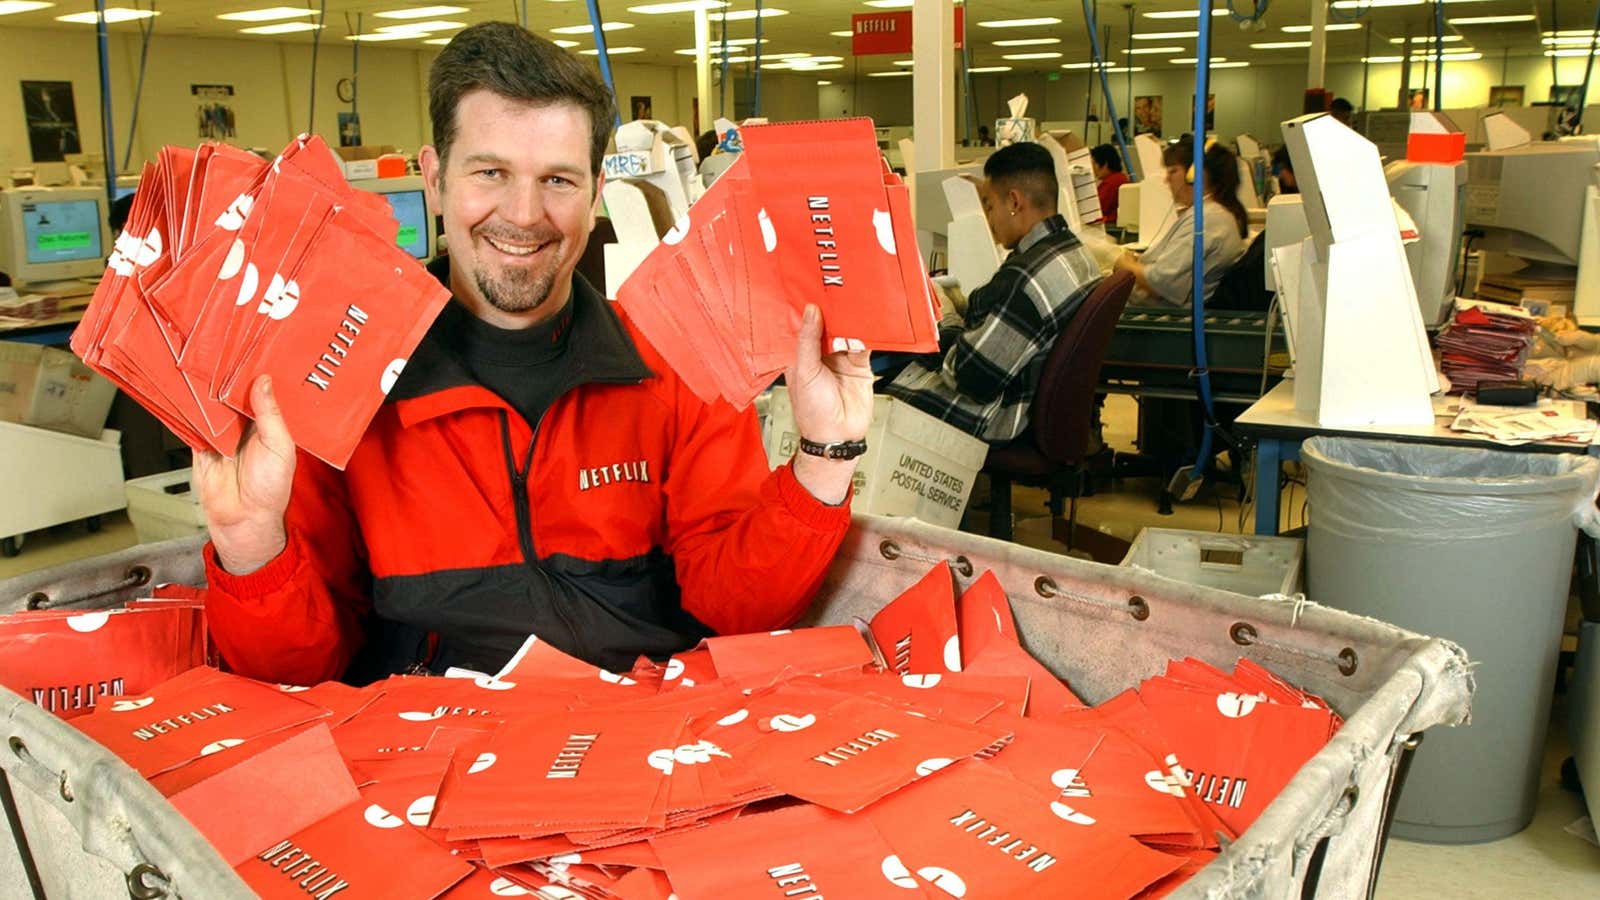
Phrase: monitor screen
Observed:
(60, 231)
(124, 191)
(411, 208)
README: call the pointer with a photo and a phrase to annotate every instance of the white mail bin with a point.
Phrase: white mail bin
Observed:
(915, 465)
(164, 506)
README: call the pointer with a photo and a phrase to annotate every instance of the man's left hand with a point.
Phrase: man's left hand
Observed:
(832, 397)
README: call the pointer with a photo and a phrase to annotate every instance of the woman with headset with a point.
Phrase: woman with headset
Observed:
(1164, 273)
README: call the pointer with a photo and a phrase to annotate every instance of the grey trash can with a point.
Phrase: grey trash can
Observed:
(1474, 546)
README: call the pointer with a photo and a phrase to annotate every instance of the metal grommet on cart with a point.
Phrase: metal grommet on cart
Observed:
(1139, 608)
(139, 576)
(1347, 661)
(19, 747)
(66, 788)
(1044, 586)
(38, 600)
(1243, 633)
(889, 549)
(963, 566)
(139, 889)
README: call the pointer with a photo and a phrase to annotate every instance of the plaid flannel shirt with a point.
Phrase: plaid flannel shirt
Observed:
(991, 365)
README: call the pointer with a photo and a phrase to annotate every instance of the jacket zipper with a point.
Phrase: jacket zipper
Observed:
(524, 513)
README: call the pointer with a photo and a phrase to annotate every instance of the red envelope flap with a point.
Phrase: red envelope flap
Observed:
(810, 650)
(342, 701)
(590, 765)
(688, 669)
(66, 662)
(540, 665)
(984, 615)
(1047, 694)
(917, 630)
(196, 714)
(411, 709)
(1239, 750)
(858, 750)
(1257, 677)
(800, 851)
(958, 696)
(1197, 673)
(643, 884)
(363, 849)
(635, 855)
(196, 771)
(1194, 861)
(485, 884)
(976, 831)
(304, 776)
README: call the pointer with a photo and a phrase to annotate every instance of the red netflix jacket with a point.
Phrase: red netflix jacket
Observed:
(634, 518)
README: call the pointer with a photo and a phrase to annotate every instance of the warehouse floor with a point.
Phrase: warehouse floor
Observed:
(1542, 861)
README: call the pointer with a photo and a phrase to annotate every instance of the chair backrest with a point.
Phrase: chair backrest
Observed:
(1063, 406)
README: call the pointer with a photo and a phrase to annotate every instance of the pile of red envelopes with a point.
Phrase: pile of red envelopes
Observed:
(1485, 342)
(230, 268)
(809, 213)
(924, 754)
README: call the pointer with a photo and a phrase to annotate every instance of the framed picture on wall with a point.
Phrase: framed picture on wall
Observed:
(1147, 114)
(640, 107)
(52, 119)
(1417, 99)
(1507, 95)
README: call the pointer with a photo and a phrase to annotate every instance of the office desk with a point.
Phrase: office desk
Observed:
(55, 330)
(1279, 429)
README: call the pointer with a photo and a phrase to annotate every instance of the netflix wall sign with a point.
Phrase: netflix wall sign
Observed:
(890, 32)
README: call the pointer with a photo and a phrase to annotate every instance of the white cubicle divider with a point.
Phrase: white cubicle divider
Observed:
(973, 256)
(629, 210)
(1362, 355)
(1155, 201)
(1501, 132)
(1286, 227)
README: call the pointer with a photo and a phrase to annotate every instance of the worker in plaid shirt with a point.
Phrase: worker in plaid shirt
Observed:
(992, 356)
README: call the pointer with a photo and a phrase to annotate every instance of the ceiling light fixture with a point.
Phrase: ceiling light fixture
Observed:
(1165, 35)
(612, 51)
(1492, 20)
(660, 9)
(281, 28)
(1183, 14)
(1027, 42)
(899, 73)
(1138, 50)
(1428, 39)
(1280, 45)
(420, 28)
(421, 12)
(745, 14)
(1190, 60)
(589, 29)
(270, 14)
(1019, 23)
(114, 14)
(1335, 26)
(981, 70)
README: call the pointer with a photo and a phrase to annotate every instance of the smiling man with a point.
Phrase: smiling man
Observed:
(538, 468)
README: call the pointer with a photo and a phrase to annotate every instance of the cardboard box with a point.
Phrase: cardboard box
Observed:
(52, 478)
(164, 506)
(52, 389)
(915, 465)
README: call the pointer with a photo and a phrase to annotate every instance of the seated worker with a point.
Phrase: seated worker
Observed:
(1164, 273)
(1108, 172)
(537, 468)
(984, 378)
(1343, 110)
(1283, 170)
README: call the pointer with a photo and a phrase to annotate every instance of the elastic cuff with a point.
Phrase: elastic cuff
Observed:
(259, 583)
(808, 509)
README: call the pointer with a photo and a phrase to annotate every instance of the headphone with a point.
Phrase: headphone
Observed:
(1189, 175)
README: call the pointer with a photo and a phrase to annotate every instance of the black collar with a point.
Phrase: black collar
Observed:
(599, 350)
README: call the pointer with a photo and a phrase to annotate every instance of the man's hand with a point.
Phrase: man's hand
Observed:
(244, 498)
(832, 399)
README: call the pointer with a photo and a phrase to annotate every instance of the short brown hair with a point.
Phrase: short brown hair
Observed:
(510, 61)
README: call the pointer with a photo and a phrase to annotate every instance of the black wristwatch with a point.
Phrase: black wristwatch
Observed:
(835, 450)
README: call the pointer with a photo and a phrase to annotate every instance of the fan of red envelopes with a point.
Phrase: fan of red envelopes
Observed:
(809, 213)
(230, 268)
(924, 754)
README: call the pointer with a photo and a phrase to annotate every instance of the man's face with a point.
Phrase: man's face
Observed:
(1177, 178)
(518, 200)
(999, 209)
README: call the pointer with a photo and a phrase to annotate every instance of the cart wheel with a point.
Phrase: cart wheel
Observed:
(10, 547)
(93, 523)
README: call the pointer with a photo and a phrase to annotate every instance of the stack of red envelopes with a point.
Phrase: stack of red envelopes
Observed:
(924, 754)
(809, 213)
(230, 268)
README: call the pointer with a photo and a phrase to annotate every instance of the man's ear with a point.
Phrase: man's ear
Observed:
(428, 162)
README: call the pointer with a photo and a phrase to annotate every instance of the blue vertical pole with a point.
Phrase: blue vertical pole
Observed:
(106, 123)
(1105, 85)
(599, 26)
(756, 109)
(1202, 85)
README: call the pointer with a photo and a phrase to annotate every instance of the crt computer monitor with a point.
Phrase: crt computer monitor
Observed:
(410, 204)
(1529, 200)
(50, 235)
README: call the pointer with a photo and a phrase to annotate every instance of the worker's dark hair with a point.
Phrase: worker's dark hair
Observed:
(117, 218)
(705, 144)
(1027, 168)
(1107, 156)
(518, 65)
(1341, 105)
(1280, 159)
(1222, 176)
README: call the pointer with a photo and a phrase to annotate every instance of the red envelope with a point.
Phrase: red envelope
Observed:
(827, 649)
(66, 661)
(800, 851)
(854, 752)
(976, 831)
(1047, 694)
(984, 615)
(196, 714)
(917, 630)
(958, 696)
(363, 849)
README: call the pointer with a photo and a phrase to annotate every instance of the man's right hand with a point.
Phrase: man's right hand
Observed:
(245, 498)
